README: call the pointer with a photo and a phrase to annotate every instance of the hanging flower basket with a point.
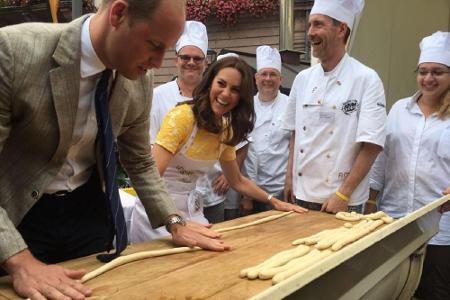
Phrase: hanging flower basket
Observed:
(227, 12)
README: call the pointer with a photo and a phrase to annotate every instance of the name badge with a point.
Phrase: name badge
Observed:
(327, 116)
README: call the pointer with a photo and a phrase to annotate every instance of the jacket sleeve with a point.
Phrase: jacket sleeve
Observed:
(11, 241)
(136, 158)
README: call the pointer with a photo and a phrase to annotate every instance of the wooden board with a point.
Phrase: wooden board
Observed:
(201, 274)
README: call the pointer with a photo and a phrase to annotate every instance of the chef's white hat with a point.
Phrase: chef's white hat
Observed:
(219, 57)
(194, 35)
(435, 48)
(344, 11)
(267, 57)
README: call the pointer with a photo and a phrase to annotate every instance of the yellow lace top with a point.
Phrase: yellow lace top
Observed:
(176, 129)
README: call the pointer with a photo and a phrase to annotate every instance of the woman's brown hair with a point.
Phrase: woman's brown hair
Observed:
(241, 118)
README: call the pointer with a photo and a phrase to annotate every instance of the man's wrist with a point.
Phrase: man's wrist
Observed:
(15, 261)
(342, 196)
(174, 220)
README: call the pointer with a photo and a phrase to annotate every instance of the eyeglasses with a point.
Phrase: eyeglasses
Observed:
(187, 58)
(434, 72)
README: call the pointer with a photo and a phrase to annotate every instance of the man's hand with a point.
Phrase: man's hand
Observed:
(446, 206)
(334, 204)
(370, 208)
(246, 206)
(288, 192)
(197, 235)
(36, 280)
(285, 206)
(220, 184)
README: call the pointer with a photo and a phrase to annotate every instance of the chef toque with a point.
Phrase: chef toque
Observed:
(267, 57)
(194, 35)
(344, 11)
(435, 48)
(227, 55)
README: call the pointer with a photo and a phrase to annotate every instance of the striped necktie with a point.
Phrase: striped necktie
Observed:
(105, 135)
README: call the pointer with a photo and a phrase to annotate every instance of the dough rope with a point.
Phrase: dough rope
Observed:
(260, 221)
(122, 260)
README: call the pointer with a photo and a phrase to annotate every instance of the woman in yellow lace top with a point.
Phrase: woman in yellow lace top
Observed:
(196, 134)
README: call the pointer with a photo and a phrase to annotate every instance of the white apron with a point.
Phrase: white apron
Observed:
(180, 178)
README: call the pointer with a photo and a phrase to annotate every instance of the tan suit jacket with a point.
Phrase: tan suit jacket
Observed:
(39, 87)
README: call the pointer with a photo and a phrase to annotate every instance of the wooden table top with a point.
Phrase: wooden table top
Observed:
(200, 274)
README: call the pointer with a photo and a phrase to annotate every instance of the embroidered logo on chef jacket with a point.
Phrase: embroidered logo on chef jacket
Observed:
(350, 106)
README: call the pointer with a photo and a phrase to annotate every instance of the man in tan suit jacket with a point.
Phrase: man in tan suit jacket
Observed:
(39, 100)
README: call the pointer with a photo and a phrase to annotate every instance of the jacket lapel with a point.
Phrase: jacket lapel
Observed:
(65, 80)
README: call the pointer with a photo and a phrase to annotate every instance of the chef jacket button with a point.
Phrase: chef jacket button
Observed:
(331, 131)
(301, 150)
(304, 128)
(334, 106)
(35, 194)
(299, 173)
(319, 101)
(273, 124)
(328, 155)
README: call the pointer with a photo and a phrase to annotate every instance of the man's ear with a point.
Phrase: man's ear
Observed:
(343, 29)
(118, 13)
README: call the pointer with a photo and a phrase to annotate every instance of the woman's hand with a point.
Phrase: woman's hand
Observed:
(285, 206)
(220, 184)
(446, 206)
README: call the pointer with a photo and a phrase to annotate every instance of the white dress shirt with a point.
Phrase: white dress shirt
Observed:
(267, 156)
(332, 114)
(414, 167)
(165, 97)
(81, 156)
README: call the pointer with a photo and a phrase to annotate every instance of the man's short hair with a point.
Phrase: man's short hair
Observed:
(139, 9)
(347, 33)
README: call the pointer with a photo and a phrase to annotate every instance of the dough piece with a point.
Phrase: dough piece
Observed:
(387, 219)
(260, 221)
(348, 225)
(357, 233)
(286, 257)
(329, 240)
(314, 239)
(375, 216)
(276, 260)
(346, 216)
(121, 260)
(268, 273)
(308, 262)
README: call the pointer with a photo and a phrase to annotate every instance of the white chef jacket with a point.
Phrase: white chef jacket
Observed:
(332, 113)
(165, 97)
(414, 167)
(267, 156)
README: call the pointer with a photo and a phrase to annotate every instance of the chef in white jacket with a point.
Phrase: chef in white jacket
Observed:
(191, 62)
(268, 151)
(414, 167)
(337, 112)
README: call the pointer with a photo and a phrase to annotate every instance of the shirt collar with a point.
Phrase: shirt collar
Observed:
(335, 72)
(412, 105)
(90, 63)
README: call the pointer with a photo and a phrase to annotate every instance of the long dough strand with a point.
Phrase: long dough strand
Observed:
(121, 260)
(260, 221)
(306, 263)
